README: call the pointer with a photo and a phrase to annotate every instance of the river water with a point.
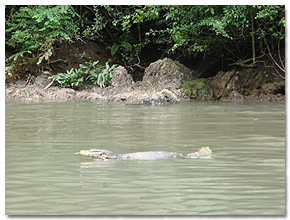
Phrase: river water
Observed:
(246, 176)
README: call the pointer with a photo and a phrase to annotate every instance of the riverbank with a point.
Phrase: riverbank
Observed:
(178, 81)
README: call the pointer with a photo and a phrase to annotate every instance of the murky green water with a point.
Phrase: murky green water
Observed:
(45, 177)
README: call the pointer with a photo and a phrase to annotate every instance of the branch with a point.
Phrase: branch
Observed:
(271, 58)
(242, 63)
(280, 55)
(253, 40)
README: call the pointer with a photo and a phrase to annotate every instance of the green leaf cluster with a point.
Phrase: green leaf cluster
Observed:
(71, 79)
(33, 30)
(99, 74)
(125, 45)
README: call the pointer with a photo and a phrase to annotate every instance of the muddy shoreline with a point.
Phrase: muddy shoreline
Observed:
(163, 75)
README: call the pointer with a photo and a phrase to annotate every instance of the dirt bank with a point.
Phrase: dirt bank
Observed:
(179, 82)
(122, 88)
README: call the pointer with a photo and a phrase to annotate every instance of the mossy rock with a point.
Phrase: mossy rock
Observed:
(199, 89)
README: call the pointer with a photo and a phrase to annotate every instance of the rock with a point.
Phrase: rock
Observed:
(269, 92)
(198, 89)
(274, 88)
(244, 82)
(220, 84)
(163, 97)
(173, 81)
(121, 79)
(157, 98)
(146, 99)
(236, 97)
(166, 74)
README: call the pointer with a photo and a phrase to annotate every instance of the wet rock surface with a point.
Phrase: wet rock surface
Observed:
(163, 97)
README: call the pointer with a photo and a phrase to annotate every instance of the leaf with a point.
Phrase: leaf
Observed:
(49, 84)
(40, 60)
(127, 46)
(114, 49)
(107, 65)
(101, 80)
(63, 8)
(82, 66)
(95, 62)
(49, 15)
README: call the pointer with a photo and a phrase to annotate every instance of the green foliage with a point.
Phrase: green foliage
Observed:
(122, 28)
(127, 46)
(33, 31)
(73, 78)
(191, 29)
(94, 29)
(234, 31)
(100, 75)
(272, 19)
(200, 28)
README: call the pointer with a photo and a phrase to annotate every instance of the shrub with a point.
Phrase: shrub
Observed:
(73, 78)
(100, 75)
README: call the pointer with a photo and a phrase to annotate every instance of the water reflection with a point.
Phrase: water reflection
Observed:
(98, 164)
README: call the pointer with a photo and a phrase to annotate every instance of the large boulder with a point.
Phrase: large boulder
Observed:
(242, 82)
(167, 74)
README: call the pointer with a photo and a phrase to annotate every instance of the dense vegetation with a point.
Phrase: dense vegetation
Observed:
(237, 34)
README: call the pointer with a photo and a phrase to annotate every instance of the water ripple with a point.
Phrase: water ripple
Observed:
(45, 177)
